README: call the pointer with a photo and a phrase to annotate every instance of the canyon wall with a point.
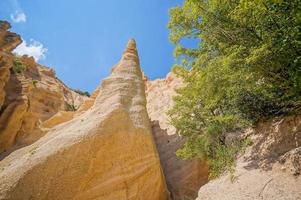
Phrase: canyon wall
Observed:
(8, 41)
(30, 94)
(183, 177)
(106, 152)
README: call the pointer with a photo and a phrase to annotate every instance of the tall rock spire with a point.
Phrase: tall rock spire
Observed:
(131, 45)
(130, 51)
(107, 152)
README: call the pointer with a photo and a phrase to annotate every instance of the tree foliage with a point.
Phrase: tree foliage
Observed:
(246, 67)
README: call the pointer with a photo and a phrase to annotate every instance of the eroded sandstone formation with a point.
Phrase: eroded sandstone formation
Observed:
(8, 41)
(106, 152)
(184, 178)
(29, 95)
(269, 169)
(33, 95)
(64, 116)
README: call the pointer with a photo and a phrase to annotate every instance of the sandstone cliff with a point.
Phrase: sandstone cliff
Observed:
(269, 169)
(29, 94)
(106, 152)
(8, 41)
(184, 178)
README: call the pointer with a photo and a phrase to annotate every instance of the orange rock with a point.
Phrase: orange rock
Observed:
(8, 41)
(27, 98)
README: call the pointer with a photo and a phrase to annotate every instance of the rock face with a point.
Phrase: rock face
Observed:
(8, 41)
(106, 152)
(269, 169)
(64, 116)
(29, 95)
(184, 178)
(33, 95)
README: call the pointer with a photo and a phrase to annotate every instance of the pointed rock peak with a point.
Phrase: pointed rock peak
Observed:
(131, 44)
(131, 47)
(130, 52)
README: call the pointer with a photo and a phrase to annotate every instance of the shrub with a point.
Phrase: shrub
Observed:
(70, 107)
(223, 160)
(34, 82)
(18, 66)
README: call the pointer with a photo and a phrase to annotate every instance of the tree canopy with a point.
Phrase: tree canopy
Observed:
(246, 67)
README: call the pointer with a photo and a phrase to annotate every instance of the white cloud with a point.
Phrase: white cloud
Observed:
(18, 17)
(34, 49)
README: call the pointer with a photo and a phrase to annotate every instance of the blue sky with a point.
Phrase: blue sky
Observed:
(83, 39)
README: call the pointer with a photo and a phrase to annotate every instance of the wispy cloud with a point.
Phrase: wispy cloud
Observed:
(18, 17)
(33, 48)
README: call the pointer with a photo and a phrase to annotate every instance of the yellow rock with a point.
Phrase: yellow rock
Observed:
(63, 116)
(105, 153)
(60, 117)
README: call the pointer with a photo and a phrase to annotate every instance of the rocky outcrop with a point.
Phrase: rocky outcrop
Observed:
(64, 116)
(183, 177)
(33, 95)
(269, 169)
(8, 41)
(106, 152)
(29, 95)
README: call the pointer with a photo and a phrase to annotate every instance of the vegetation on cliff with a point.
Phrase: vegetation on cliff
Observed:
(18, 66)
(78, 91)
(245, 68)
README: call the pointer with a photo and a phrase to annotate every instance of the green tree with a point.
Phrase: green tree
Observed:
(246, 67)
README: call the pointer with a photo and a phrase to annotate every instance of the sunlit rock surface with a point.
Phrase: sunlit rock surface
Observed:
(107, 152)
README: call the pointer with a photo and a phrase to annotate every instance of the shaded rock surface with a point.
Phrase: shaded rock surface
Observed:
(269, 169)
(106, 152)
(184, 178)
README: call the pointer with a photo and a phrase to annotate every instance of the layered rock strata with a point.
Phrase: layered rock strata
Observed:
(106, 152)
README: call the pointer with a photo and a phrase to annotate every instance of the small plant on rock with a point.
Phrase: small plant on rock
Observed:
(18, 66)
(82, 92)
(34, 82)
(70, 107)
